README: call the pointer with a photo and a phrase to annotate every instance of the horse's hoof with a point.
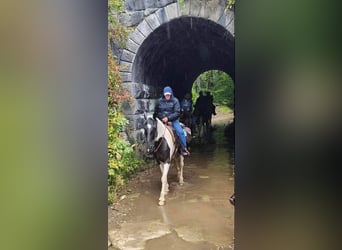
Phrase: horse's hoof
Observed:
(181, 184)
(161, 203)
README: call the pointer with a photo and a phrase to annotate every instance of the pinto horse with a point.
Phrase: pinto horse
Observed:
(165, 146)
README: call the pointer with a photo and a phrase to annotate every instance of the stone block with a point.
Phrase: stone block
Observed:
(143, 104)
(125, 66)
(144, 28)
(128, 107)
(195, 7)
(136, 106)
(149, 11)
(172, 11)
(214, 9)
(162, 3)
(203, 11)
(158, 3)
(126, 77)
(132, 5)
(227, 20)
(152, 105)
(222, 20)
(116, 49)
(144, 4)
(152, 92)
(130, 19)
(162, 16)
(137, 90)
(231, 30)
(153, 21)
(132, 46)
(145, 91)
(150, 3)
(127, 56)
(135, 122)
(137, 37)
(127, 86)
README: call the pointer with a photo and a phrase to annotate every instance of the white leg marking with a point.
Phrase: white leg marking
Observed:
(164, 187)
(162, 171)
(180, 166)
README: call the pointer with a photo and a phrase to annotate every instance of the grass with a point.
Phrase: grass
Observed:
(223, 109)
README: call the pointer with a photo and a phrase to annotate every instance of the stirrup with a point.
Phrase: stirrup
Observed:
(185, 152)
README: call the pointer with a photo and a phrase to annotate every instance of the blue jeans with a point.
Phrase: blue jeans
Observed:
(179, 130)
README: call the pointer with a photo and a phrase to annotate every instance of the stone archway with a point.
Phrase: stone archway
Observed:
(172, 46)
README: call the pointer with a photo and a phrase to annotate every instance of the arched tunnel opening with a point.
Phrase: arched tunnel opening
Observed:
(177, 52)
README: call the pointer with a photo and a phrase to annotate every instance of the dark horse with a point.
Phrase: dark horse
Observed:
(202, 121)
(165, 146)
(186, 118)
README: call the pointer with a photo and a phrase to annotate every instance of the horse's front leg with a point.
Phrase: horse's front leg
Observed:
(165, 185)
(161, 165)
(180, 165)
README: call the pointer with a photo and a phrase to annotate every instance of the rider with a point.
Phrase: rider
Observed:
(186, 110)
(200, 106)
(167, 109)
(186, 103)
(211, 107)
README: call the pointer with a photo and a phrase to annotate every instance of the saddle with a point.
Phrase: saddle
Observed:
(173, 132)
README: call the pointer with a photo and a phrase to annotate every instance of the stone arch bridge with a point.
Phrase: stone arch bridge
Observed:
(173, 42)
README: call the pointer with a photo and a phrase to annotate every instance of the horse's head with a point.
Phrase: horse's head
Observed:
(150, 130)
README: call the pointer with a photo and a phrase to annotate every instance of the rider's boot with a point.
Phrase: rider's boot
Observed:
(185, 151)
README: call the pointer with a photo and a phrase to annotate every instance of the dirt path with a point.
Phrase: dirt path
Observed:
(222, 118)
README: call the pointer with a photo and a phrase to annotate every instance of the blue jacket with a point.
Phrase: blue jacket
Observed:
(169, 108)
(186, 105)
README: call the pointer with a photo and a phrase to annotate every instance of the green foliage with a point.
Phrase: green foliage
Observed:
(116, 32)
(122, 161)
(223, 109)
(230, 4)
(181, 4)
(219, 84)
(116, 5)
(121, 157)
